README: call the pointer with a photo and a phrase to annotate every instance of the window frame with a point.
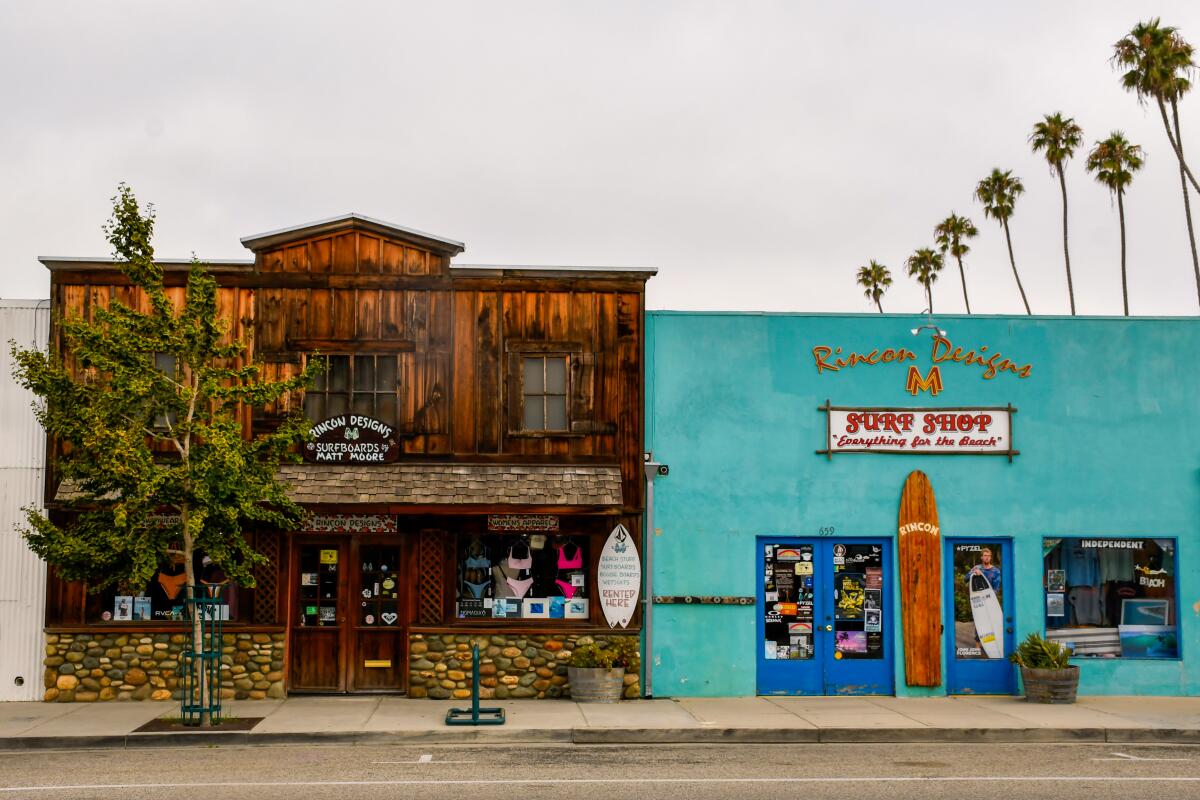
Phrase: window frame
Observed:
(322, 389)
(545, 394)
(1174, 599)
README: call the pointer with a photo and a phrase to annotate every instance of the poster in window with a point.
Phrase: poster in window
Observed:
(850, 596)
(978, 600)
(142, 609)
(122, 608)
(1056, 605)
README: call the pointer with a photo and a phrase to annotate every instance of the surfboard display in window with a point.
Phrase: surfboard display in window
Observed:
(978, 600)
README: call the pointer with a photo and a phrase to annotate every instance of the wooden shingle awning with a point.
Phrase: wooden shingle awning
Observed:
(455, 484)
(540, 485)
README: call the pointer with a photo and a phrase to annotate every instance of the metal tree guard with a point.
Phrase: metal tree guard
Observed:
(194, 701)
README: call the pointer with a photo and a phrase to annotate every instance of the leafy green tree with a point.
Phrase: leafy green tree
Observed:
(951, 234)
(1157, 63)
(1058, 136)
(1114, 160)
(924, 265)
(998, 193)
(131, 384)
(875, 279)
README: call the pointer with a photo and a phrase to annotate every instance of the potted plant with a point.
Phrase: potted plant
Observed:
(596, 670)
(1046, 670)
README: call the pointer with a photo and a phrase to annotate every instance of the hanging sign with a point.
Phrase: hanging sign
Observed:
(619, 578)
(522, 522)
(352, 439)
(920, 431)
(350, 523)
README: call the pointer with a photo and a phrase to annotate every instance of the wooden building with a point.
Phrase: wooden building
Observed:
(480, 435)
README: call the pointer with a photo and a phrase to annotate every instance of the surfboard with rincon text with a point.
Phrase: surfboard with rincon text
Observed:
(920, 565)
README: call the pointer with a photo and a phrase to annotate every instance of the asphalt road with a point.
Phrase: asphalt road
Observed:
(577, 772)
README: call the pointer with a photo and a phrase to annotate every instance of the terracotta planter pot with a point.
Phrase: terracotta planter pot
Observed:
(596, 684)
(1050, 685)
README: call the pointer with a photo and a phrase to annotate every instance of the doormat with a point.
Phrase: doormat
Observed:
(174, 725)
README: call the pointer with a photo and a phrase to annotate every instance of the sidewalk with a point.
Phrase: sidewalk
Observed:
(396, 720)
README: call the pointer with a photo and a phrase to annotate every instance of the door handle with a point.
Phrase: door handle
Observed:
(829, 628)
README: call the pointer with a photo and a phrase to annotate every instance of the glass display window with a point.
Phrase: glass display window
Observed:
(522, 577)
(163, 599)
(1112, 597)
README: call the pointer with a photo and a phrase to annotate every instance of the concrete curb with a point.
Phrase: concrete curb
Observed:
(602, 736)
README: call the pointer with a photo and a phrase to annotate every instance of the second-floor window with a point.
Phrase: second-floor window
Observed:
(354, 384)
(544, 393)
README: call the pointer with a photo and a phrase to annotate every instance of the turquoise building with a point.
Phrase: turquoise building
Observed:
(1064, 456)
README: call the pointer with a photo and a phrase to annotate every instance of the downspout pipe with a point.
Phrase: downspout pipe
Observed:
(653, 470)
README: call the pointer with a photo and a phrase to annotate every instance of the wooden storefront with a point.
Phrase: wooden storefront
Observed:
(511, 399)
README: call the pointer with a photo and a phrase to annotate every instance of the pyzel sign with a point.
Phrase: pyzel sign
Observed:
(619, 578)
(975, 431)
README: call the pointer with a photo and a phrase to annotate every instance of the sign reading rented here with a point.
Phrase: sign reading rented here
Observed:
(934, 431)
(619, 578)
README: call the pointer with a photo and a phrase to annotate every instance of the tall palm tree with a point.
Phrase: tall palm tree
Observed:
(998, 192)
(1059, 136)
(952, 234)
(1114, 160)
(1158, 63)
(924, 265)
(875, 279)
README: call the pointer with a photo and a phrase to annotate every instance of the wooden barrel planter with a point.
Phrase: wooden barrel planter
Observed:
(1050, 685)
(596, 684)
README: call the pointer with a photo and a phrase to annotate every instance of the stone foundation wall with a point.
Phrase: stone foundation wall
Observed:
(510, 666)
(86, 667)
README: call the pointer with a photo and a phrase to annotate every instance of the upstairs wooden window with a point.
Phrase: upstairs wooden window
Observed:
(167, 364)
(544, 393)
(355, 384)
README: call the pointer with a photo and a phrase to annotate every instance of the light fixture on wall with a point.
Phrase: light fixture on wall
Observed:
(928, 326)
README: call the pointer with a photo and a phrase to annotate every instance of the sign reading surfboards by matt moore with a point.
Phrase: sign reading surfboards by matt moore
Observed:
(352, 439)
(619, 578)
(931, 431)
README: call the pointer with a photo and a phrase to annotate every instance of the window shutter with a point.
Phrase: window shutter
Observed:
(515, 400)
(583, 393)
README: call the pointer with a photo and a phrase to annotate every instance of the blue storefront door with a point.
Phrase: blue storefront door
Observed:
(824, 621)
(979, 616)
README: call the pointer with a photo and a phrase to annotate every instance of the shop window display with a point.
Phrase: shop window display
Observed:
(523, 577)
(163, 598)
(1112, 598)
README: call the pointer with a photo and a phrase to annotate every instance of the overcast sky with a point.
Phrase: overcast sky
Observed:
(755, 152)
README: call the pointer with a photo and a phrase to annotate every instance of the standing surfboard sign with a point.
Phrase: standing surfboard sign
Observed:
(989, 619)
(920, 582)
(619, 578)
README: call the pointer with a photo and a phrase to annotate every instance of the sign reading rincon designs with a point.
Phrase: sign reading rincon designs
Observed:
(352, 439)
(944, 431)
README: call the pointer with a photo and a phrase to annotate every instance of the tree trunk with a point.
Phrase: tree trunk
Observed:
(963, 275)
(1013, 261)
(878, 305)
(1062, 182)
(1176, 142)
(200, 674)
(1187, 203)
(929, 296)
(1124, 282)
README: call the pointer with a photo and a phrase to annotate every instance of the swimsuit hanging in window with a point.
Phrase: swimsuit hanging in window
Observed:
(574, 561)
(520, 556)
(172, 585)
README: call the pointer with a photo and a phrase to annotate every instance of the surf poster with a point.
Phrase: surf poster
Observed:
(978, 600)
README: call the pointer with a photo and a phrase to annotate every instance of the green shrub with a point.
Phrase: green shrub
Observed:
(1038, 652)
(624, 652)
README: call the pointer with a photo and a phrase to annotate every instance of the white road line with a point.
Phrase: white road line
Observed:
(425, 758)
(75, 787)
(1127, 757)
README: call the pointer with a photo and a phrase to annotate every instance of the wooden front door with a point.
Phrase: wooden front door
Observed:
(349, 615)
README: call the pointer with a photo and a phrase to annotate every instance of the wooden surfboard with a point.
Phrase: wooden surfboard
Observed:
(920, 548)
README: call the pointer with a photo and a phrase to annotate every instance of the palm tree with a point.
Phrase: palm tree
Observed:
(924, 265)
(1059, 137)
(998, 192)
(952, 234)
(1158, 62)
(1114, 160)
(875, 279)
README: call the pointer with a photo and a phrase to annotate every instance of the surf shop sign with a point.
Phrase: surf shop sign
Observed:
(352, 439)
(985, 431)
